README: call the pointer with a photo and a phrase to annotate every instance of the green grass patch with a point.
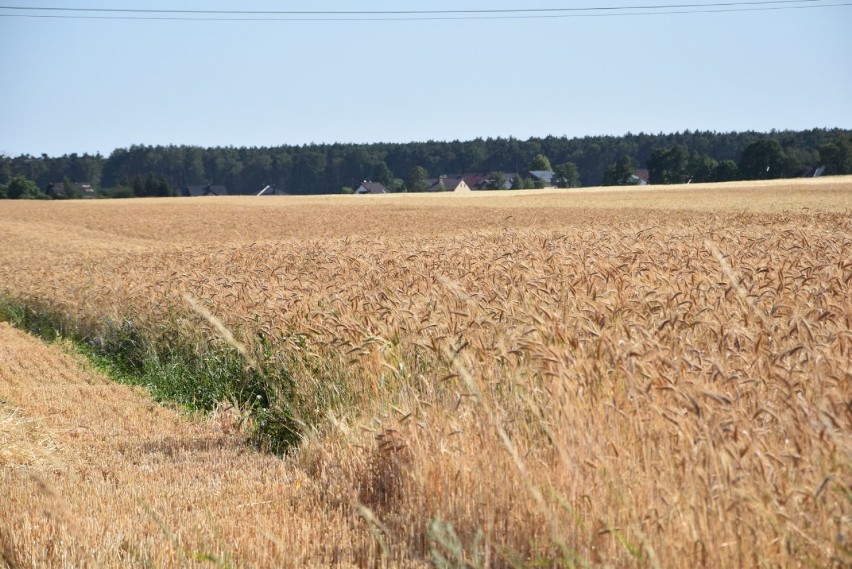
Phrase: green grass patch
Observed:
(196, 375)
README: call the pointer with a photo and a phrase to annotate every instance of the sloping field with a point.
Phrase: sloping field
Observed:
(652, 377)
(96, 474)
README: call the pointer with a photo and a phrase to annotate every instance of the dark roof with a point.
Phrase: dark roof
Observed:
(57, 190)
(483, 181)
(443, 184)
(477, 181)
(371, 188)
(208, 190)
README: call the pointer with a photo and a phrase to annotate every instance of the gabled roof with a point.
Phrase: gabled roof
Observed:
(814, 172)
(208, 190)
(545, 175)
(371, 188)
(477, 181)
(484, 181)
(444, 184)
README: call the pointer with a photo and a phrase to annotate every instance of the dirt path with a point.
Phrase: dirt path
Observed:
(93, 473)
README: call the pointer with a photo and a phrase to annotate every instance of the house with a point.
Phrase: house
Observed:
(641, 177)
(208, 190)
(56, 190)
(367, 187)
(544, 177)
(477, 181)
(447, 184)
(461, 186)
(486, 181)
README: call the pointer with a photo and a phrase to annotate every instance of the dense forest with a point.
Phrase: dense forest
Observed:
(333, 168)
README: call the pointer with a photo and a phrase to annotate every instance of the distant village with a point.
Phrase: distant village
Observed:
(432, 166)
(471, 182)
(536, 179)
(466, 183)
(447, 183)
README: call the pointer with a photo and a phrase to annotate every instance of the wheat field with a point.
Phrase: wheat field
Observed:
(576, 378)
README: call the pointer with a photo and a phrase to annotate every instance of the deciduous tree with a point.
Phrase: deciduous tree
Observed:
(21, 188)
(566, 175)
(497, 181)
(417, 179)
(540, 162)
(668, 165)
(700, 167)
(763, 160)
(726, 171)
(836, 156)
(70, 191)
(621, 173)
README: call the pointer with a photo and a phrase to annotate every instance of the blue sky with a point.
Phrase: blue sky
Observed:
(93, 85)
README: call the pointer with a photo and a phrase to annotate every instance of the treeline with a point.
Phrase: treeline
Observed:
(328, 168)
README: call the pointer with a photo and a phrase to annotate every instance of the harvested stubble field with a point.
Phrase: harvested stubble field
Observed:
(569, 378)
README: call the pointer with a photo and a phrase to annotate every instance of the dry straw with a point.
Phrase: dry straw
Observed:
(537, 380)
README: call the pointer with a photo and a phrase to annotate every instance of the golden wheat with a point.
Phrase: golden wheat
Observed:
(529, 378)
